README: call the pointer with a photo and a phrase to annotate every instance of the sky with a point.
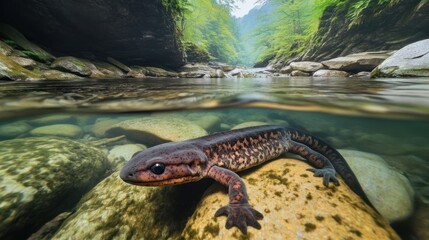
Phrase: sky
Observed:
(243, 7)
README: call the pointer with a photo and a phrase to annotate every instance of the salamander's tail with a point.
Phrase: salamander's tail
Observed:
(307, 145)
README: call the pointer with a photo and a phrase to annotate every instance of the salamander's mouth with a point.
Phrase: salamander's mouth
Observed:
(136, 179)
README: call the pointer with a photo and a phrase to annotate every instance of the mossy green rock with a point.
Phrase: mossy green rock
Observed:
(117, 210)
(5, 49)
(295, 205)
(14, 129)
(24, 62)
(39, 177)
(58, 75)
(156, 130)
(60, 130)
(72, 65)
(30, 49)
(13, 71)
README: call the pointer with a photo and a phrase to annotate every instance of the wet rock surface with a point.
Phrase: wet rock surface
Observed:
(310, 211)
(156, 130)
(388, 190)
(40, 177)
(117, 210)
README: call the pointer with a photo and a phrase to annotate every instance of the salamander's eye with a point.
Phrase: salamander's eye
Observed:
(158, 168)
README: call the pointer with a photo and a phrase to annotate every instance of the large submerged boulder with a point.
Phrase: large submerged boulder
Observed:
(295, 205)
(40, 177)
(131, 31)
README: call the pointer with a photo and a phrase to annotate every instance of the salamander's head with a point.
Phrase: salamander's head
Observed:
(165, 164)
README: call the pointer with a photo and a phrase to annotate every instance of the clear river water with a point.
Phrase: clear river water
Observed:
(385, 117)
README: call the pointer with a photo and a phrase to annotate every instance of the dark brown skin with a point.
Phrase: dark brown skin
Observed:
(220, 155)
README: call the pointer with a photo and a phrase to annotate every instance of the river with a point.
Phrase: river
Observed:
(385, 117)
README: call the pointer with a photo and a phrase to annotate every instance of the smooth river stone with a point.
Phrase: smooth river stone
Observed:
(40, 177)
(388, 190)
(156, 130)
(117, 210)
(60, 130)
(295, 205)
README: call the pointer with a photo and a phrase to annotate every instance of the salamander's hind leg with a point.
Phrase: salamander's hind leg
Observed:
(323, 167)
(239, 212)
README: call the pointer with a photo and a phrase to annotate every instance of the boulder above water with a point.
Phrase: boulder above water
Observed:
(325, 73)
(358, 62)
(410, 61)
(306, 66)
(13, 71)
(72, 65)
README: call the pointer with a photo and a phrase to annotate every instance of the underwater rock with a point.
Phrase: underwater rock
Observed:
(13, 71)
(249, 124)
(389, 191)
(156, 130)
(52, 119)
(27, 63)
(100, 127)
(60, 130)
(324, 73)
(58, 75)
(5, 49)
(121, 153)
(420, 222)
(306, 66)
(295, 205)
(410, 61)
(40, 177)
(358, 62)
(117, 210)
(72, 65)
(206, 121)
(48, 230)
(13, 130)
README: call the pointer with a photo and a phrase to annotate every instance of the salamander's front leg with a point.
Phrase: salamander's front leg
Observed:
(239, 212)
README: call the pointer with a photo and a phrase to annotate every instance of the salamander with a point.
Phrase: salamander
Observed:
(219, 156)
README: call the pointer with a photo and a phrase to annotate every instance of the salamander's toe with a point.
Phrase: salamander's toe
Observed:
(327, 174)
(241, 216)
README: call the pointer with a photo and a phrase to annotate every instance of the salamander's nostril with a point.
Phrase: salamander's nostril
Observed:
(130, 174)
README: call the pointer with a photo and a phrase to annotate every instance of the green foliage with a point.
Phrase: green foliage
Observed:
(210, 26)
(295, 21)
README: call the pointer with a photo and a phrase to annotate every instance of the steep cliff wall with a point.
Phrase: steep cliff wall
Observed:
(132, 31)
(388, 26)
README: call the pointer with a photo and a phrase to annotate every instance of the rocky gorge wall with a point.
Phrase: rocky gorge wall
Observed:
(385, 27)
(131, 31)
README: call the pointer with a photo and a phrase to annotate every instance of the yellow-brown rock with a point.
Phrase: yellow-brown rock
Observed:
(295, 205)
(156, 130)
